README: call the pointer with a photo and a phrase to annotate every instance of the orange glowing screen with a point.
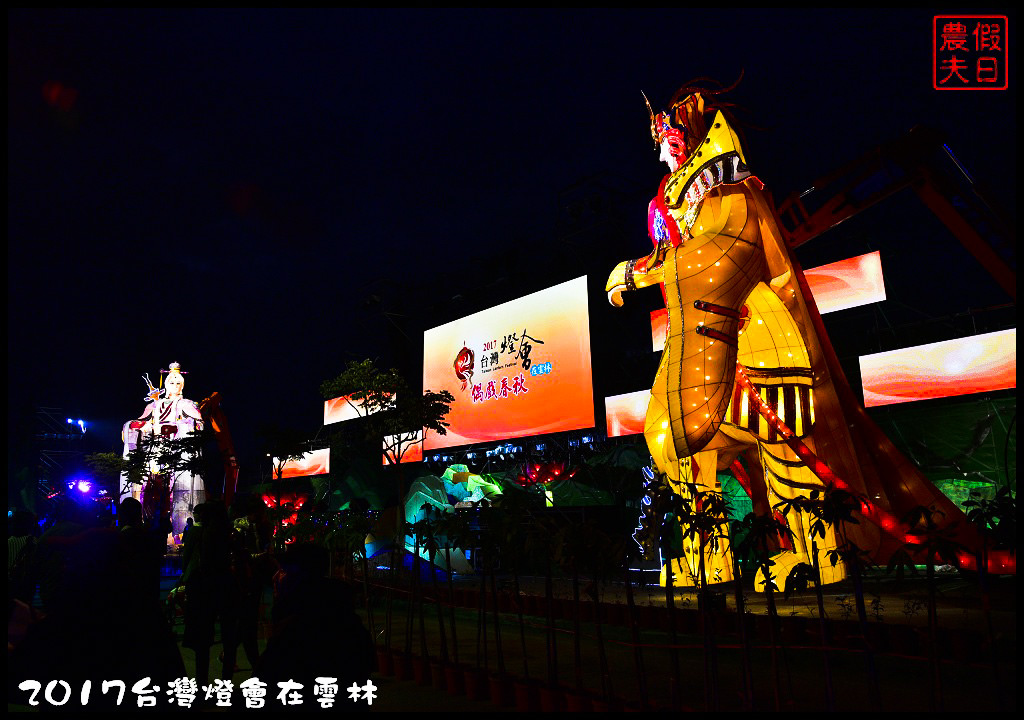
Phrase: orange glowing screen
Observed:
(836, 286)
(980, 363)
(317, 462)
(625, 414)
(847, 283)
(411, 448)
(343, 408)
(659, 329)
(517, 369)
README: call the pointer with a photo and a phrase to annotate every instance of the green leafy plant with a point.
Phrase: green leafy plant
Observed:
(996, 521)
(390, 411)
(833, 507)
(912, 607)
(759, 533)
(927, 538)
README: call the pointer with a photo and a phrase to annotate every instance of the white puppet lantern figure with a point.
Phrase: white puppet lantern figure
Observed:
(169, 415)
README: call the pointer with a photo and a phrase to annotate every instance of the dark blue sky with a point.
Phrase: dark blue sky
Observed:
(226, 188)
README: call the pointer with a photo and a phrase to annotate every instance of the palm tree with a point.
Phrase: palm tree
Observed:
(475, 540)
(514, 513)
(760, 533)
(837, 510)
(455, 529)
(820, 516)
(490, 545)
(446, 528)
(996, 520)
(935, 543)
(394, 557)
(703, 522)
(410, 617)
(627, 549)
(350, 538)
(834, 508)
(595, 549)
(567, 554)
(830, 695)
(741, 619)
(660, 537)
(429, 527)
(540, 544)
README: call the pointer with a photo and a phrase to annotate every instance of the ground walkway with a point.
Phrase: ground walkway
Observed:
(629, 669)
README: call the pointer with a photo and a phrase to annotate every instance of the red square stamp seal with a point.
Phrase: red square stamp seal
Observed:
(970, 52)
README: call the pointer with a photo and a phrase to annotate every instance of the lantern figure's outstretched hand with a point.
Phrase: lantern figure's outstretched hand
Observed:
(635, 274)
(616, 284)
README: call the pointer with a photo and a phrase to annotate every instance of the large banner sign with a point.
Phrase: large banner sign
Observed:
(410, 444)
(317, 462)
(517, 369)
(344, 408)
(625, 414)
(980, 363)
(847, 283)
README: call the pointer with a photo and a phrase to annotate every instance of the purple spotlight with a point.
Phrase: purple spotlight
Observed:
(84, 486)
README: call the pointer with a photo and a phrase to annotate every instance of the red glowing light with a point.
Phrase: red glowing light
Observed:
(59, 96)
(541, 473)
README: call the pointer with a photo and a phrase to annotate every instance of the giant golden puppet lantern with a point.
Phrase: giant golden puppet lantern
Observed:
(169, 415)
(747, 369)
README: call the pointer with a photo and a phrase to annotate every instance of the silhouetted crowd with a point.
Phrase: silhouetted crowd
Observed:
(85, 608)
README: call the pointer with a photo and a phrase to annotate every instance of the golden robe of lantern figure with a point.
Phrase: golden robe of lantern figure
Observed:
(731, 298)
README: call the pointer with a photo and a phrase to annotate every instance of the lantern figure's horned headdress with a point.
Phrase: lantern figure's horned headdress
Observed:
(683, 125)
(661, 126)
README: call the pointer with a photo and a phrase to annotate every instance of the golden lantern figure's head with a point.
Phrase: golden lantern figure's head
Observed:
(669, 139)
(679, 131)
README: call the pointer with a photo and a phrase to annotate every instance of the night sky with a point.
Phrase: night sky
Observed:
(236, 190)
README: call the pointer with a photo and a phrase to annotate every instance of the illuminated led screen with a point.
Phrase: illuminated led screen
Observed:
(836, 286)
(517, 369)
(659, 329)
(625, 414)
(317, 462)
(343, 408)
(980, 363)
(411, 447)
(847, 283)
